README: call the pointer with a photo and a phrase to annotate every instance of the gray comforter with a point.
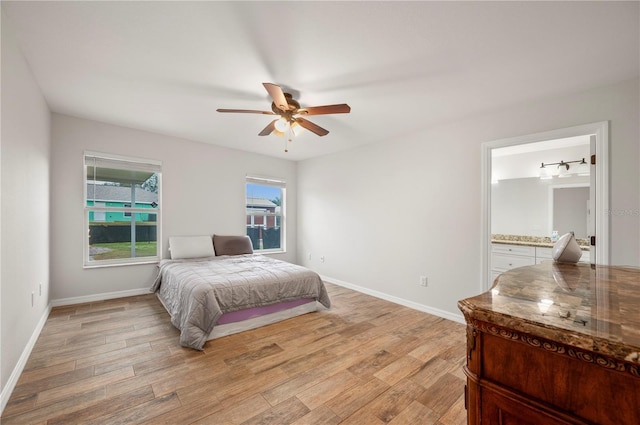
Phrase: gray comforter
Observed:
(197, 292)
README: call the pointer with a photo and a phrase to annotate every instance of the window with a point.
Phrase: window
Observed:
(265, 213)
(121, 210)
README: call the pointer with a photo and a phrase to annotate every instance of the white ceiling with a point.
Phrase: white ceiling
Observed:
(401, 66)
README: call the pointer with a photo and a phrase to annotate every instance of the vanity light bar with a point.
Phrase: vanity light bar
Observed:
(563, 167)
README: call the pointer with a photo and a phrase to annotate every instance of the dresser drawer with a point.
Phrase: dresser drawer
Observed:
(503, 262)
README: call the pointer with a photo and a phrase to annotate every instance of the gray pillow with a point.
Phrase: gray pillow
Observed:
(232, 245)
(567, 250)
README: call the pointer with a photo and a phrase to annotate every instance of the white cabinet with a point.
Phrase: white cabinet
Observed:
(543, 254)
(586, 256)
(506, 257)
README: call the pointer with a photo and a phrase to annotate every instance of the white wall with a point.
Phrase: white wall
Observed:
(24, 217)
(203, 193)
(385, 214)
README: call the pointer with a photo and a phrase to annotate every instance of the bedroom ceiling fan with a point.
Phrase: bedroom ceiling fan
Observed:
(291, 114)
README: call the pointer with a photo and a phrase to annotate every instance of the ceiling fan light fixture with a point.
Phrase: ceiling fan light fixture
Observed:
(282, 125)
(291, 123)
(296, 128)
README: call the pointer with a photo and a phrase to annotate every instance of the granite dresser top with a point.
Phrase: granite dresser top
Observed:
(595, 308)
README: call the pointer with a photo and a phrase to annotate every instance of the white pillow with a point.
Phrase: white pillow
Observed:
(190, 247)
(567, 250)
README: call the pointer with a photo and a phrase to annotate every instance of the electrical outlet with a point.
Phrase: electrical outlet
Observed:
(40, 289)
(423, 281)
(33, 296)
(322, 259)
(309, 256)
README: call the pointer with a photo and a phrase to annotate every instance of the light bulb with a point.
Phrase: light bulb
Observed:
(583, 168)
(282, 125)
(563, 169)
(545, 173)
(296, 128)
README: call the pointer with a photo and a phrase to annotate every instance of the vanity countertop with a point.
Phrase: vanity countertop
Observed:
(595, 308)
(538, 241)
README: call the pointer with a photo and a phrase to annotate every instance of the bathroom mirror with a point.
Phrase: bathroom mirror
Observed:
(534, 207)
(524, 204)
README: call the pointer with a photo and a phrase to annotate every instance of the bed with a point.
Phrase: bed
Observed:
(217, 286)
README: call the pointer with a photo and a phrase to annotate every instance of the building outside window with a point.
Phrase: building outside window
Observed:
(121, 210)
(265, 213)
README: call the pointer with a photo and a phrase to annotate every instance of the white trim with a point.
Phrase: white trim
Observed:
(124, 163)
(459, 318)
(22, 361)
(266, 181)
(100, 297)
(119, 263)
(601, 131)
(114, 158)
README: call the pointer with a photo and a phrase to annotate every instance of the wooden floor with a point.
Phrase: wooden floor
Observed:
(365, 361)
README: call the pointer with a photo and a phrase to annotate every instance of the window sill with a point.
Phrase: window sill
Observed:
(269, 251)
(100, 265)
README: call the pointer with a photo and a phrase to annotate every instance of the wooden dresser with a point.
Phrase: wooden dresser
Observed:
(555, 344)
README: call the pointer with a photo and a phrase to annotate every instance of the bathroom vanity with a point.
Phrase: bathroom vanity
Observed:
(511, 251)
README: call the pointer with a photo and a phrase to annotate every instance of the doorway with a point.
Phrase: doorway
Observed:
(598, 181)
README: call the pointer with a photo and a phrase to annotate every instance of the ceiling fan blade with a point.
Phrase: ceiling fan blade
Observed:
(314, 128)
(268, 129)
(277, 95)
(341, 108)
(246, 111)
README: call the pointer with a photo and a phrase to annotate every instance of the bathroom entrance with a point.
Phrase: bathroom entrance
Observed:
(539, 187)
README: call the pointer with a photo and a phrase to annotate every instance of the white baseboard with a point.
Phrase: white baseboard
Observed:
(420, 307)
(100, 297)
(22, 361)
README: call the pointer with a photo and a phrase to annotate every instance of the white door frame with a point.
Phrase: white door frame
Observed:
(601, 132)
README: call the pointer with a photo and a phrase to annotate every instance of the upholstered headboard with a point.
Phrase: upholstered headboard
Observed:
(232, 245)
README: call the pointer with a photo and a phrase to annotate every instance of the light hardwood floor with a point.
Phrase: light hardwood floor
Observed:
(365, 361)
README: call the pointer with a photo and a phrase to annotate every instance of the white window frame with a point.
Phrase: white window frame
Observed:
(282, 185)
(91, 159)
